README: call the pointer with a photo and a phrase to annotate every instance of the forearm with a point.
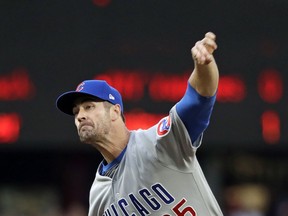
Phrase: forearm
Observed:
(204, 78)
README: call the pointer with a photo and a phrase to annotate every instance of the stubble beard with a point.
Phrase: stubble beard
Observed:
(96, 133)
(87, 136)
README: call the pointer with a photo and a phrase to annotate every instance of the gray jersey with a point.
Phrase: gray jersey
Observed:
(158, 175)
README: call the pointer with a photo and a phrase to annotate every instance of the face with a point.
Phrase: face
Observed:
(92, 120)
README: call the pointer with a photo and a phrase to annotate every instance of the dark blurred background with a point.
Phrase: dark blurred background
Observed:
(143, 48)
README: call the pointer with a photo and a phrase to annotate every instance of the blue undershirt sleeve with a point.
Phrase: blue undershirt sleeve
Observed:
(195, 111)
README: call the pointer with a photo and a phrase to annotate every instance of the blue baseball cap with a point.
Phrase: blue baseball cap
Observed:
(93, 88)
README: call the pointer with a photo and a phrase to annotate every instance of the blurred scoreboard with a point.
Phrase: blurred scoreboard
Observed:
(28, 116)
(143, 49)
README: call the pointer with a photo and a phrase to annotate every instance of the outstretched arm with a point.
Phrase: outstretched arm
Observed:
(196, 105)
(205, 76)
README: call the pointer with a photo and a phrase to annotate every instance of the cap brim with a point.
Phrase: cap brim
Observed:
(66, 101)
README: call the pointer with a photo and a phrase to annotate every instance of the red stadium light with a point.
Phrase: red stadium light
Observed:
(231, 89)
(16, 86)
(270, 86)
(130, 84)
(143, 120)
(9, 127)
(168, 87)
(163, 87)
(101, 3)
(270, 123)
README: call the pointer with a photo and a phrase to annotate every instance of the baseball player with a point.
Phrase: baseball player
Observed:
(153, 171)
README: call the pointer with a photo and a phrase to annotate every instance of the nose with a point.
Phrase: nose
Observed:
(81, 115)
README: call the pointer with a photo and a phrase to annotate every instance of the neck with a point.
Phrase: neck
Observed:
(114, 145)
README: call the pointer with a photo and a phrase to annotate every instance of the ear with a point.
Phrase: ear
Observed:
(115, 112)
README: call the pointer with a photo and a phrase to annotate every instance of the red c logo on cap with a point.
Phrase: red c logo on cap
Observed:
(80, 87)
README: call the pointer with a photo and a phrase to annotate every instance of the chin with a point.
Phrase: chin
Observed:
(86, 140)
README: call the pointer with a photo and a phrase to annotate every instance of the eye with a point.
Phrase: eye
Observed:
(88, 106)
(75, 110)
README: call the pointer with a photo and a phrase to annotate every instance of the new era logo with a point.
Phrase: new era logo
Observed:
(111, 97)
